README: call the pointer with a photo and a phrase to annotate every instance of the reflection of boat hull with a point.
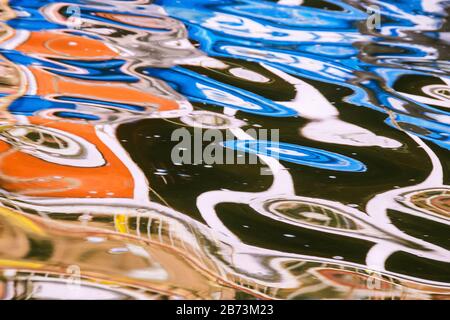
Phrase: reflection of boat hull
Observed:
(67, 167)
(92, 92)
(161, 227)
(97, 260)
(70, 92)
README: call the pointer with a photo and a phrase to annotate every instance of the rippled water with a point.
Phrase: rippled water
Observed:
(352, 203)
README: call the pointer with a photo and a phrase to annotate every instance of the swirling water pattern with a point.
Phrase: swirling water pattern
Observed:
(354, 201)
(300, 155)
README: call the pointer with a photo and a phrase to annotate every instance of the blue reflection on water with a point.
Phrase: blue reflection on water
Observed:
(311, 157)
(319, 44)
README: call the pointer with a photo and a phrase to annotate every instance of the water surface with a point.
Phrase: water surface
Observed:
(351, 202)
